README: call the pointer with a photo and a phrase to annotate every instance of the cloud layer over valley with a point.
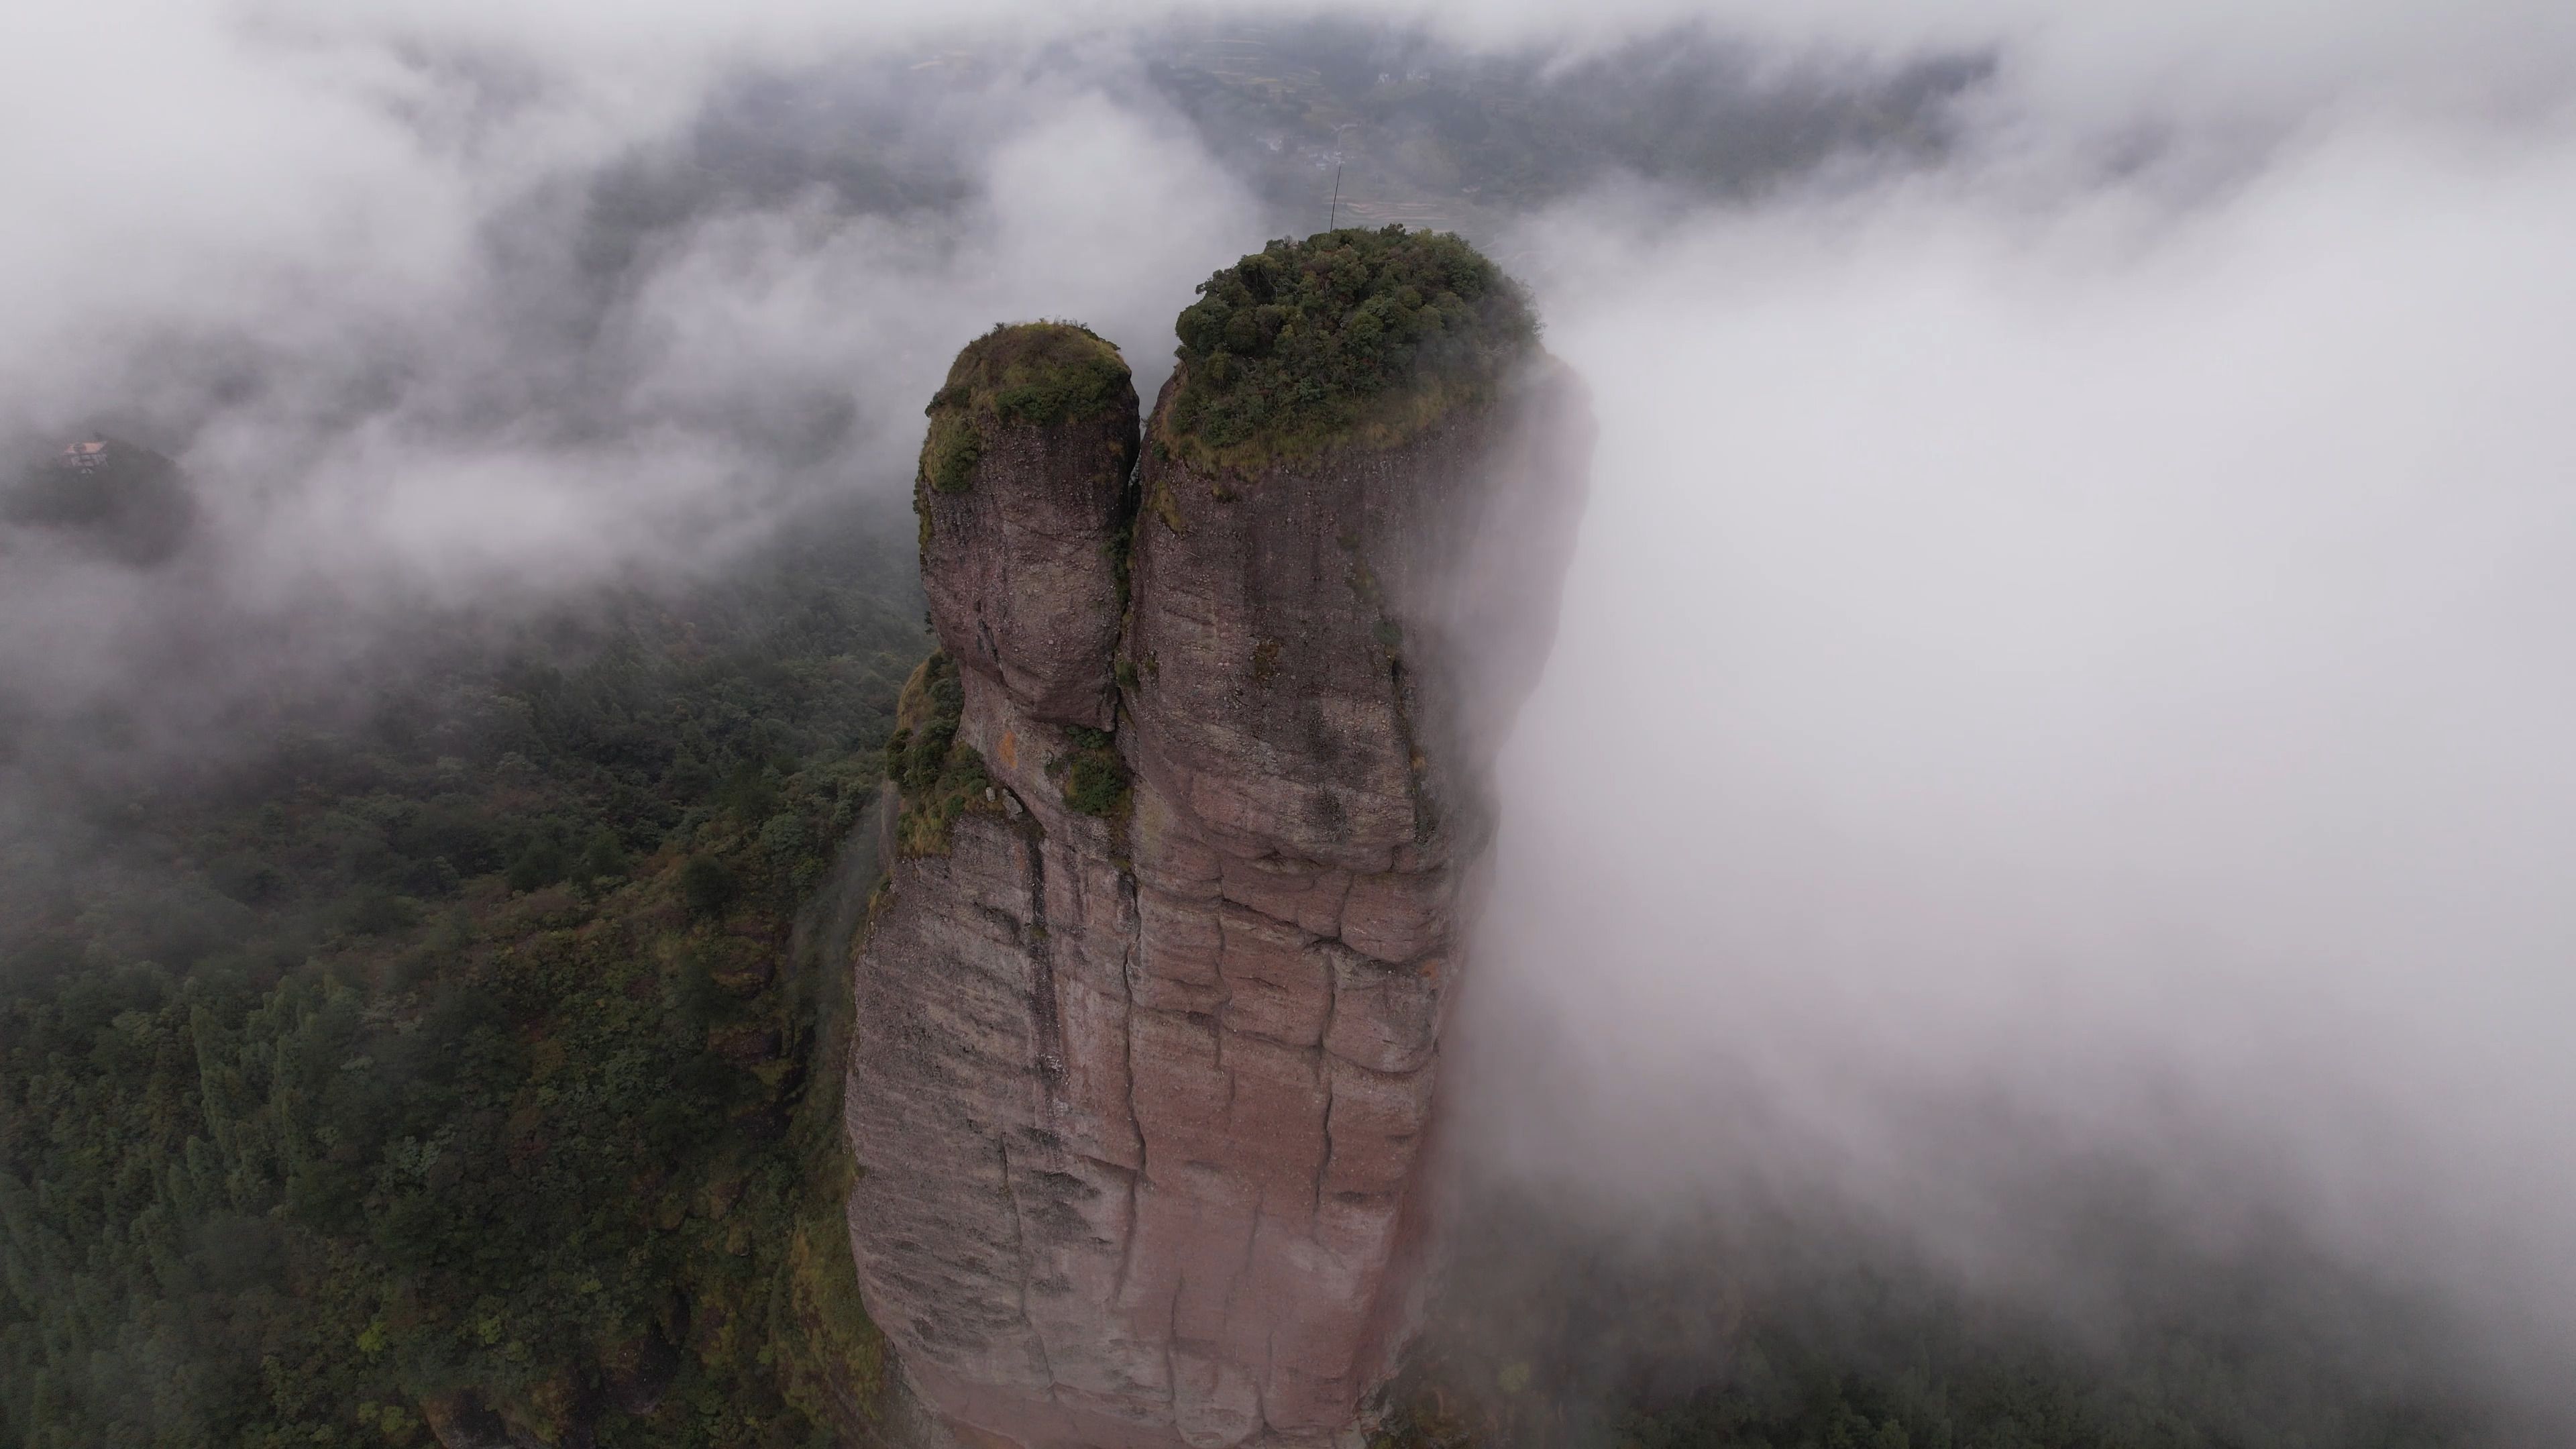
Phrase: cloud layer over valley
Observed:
(2067, 666)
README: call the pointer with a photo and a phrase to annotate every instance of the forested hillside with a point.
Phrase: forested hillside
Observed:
(442, 1067)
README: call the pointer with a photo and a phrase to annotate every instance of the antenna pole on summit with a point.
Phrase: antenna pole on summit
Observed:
(1337, 200)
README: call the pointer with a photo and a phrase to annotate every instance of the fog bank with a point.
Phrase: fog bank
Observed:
(2067, 677)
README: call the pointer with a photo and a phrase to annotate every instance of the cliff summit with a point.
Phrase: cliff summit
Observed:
(1348, 336)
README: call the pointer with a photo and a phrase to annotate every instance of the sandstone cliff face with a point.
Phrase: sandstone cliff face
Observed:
(1142, 1086)
(1022, 571)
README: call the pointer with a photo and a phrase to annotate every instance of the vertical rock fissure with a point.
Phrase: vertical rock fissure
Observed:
(1121, 1284)
(1243, 1280)
(1028, 1265)
(1046, 1018)
(1426, 820)
(1171, 1355)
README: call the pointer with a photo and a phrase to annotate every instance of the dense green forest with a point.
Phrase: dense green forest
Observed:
(1376, 330)
(461, 1065)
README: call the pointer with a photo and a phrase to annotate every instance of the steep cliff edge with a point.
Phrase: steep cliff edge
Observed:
(1193, 817)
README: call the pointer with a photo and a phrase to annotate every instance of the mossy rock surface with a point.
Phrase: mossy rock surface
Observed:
(1025, 374)
(1350, 336)
(938, 775)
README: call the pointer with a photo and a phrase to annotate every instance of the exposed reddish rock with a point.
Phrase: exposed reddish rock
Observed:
(1022, 519)
(1141, 1098)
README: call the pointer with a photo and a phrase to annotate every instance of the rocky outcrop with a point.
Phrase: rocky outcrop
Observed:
(1149, 1015)
(1023, 515)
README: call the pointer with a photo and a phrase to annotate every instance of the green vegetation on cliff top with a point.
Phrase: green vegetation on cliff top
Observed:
(1029, 374)
(1350, 335)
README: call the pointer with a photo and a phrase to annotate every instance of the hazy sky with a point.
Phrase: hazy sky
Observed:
(2084, 625)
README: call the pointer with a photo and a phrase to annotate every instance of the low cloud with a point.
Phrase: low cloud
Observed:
(2066, 674)
(439, 316)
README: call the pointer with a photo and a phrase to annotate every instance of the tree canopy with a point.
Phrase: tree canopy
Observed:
(1348, 333)
(448, 1070)
(1031, 374)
